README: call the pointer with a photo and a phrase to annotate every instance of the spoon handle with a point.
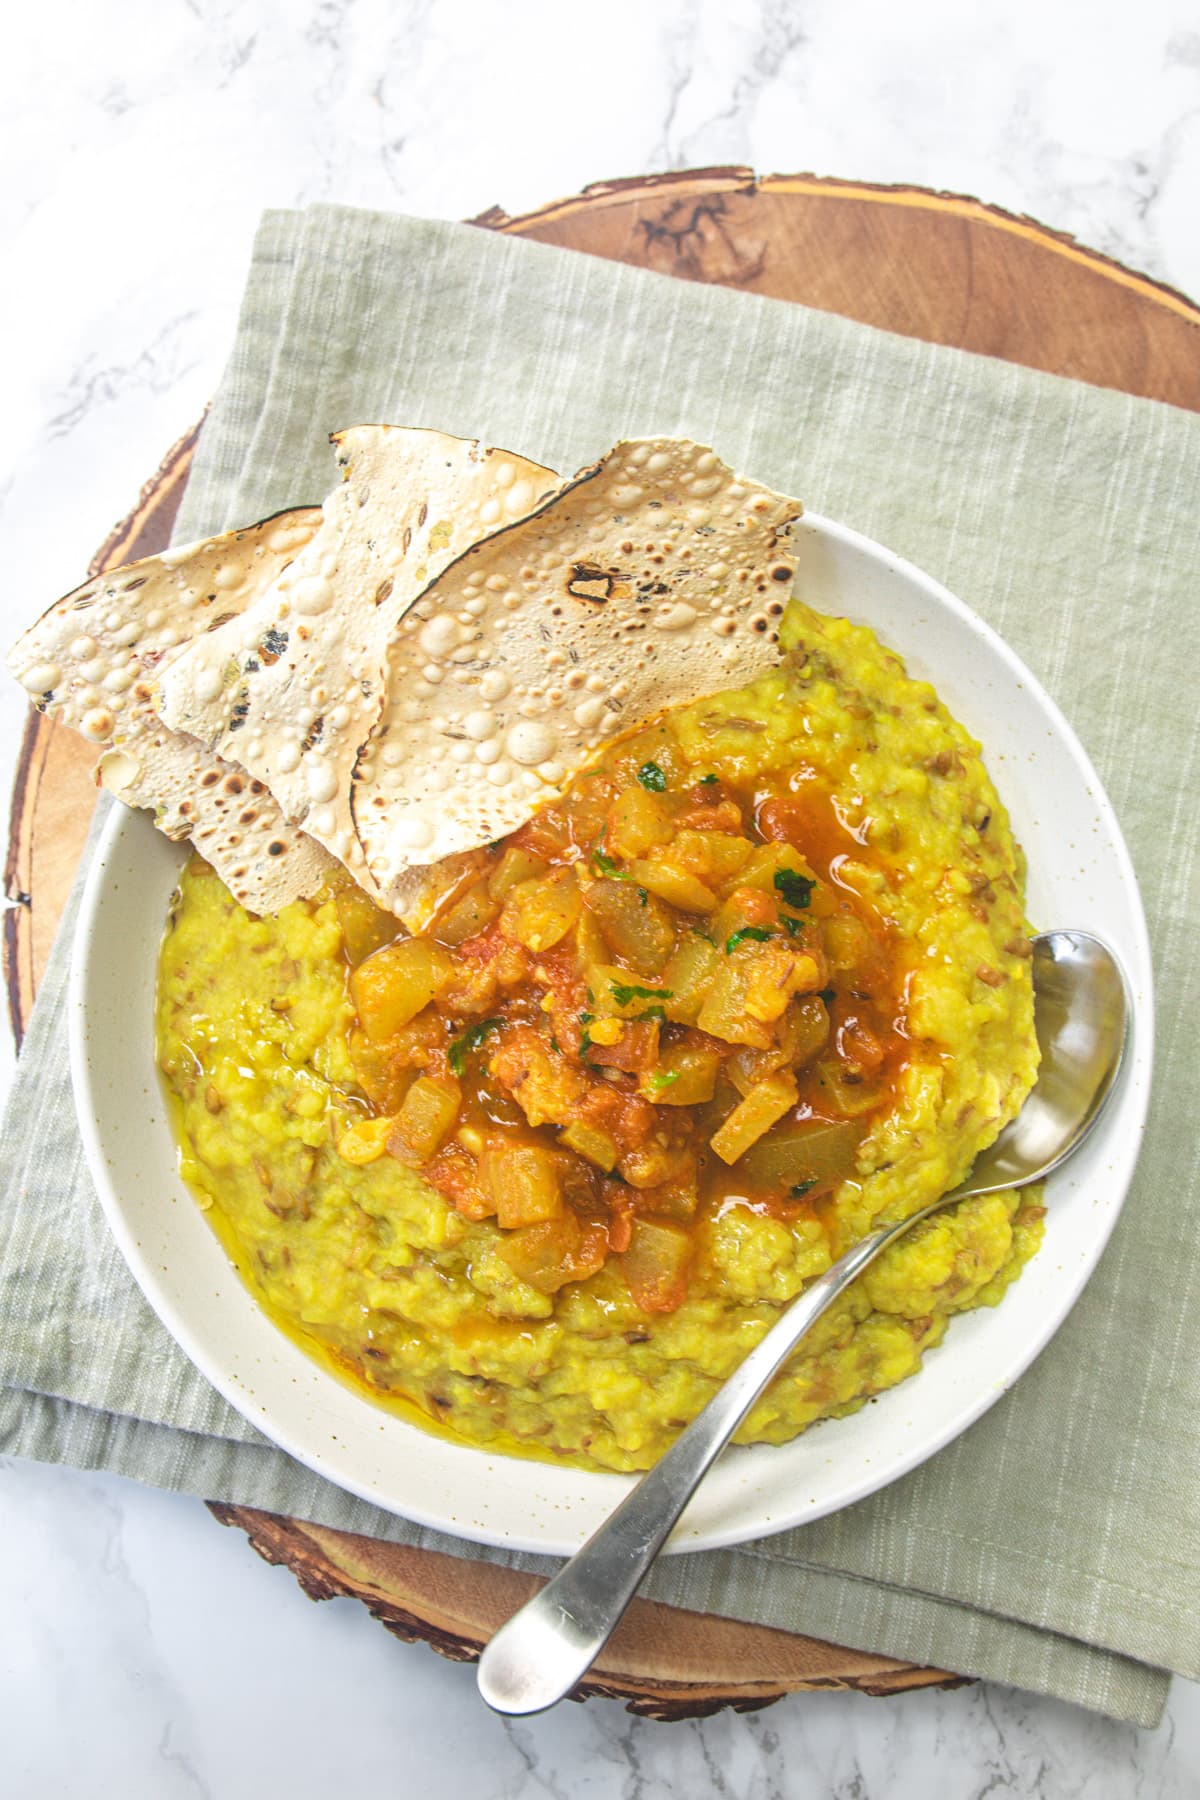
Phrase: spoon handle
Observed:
(546, 1647)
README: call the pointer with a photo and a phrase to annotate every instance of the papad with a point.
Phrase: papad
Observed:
(654, 577)
(292, 687)
(92, 661)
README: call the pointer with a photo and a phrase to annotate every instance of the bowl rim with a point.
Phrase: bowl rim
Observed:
(1135, 1080)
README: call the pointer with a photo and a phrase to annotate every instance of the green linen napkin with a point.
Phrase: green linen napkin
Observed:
(1056, 1545)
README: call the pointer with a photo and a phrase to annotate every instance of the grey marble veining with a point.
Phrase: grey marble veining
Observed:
(157, 1656)
(144, 1650)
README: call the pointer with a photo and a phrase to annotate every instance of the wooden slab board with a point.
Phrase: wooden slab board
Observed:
(942, 267)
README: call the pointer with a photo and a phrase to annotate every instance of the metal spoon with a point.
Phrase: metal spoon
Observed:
(1081, 1012)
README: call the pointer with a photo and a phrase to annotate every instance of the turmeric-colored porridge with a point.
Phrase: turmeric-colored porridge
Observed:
(547, 1170)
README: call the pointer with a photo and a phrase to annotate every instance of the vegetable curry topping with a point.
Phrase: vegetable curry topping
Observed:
(660, 998)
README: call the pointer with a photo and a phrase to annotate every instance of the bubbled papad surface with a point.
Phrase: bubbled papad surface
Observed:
(654, 577)
(293, 686)
(406, 675)
(93, 660)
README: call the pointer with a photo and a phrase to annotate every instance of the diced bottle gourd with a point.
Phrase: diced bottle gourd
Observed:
(640, 820)
(673, 884)
(636, 927)
(684, 1075)
(515, 866)
(525, 1183)
(539, 913)
(365, 926)
(762, 1107)
(548, 1255)
(473, 913)
(391, 987)
(590, 1142)
(425, 1120)
(656, 1264)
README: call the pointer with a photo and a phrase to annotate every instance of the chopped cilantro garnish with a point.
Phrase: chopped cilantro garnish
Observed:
(623, 995)
(757, 933)
(791, 924)
(603, 864)
(470, 1040)
(708, 781)
(828, 995)
(795, 889)
(654, 1012)
(652, 777)
(643, 897)
(555, 1045)
(800, 1188)
(662, 1078)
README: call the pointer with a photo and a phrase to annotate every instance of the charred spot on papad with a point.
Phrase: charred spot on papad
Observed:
(231, 819)
(93, 662)
(410, 670)
(293, 687)
(92, 659)
(653, 577)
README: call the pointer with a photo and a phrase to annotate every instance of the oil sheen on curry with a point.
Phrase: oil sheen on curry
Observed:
(548, 1170)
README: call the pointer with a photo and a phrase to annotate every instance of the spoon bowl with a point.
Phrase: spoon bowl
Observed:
(1081, 1014)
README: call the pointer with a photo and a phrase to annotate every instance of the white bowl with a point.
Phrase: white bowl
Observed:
(1079, 875)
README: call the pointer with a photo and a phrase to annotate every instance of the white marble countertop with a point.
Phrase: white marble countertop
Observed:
(144, 1650)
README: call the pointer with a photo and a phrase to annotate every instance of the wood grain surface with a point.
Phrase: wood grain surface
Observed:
(941, 267)
(662, 1661)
